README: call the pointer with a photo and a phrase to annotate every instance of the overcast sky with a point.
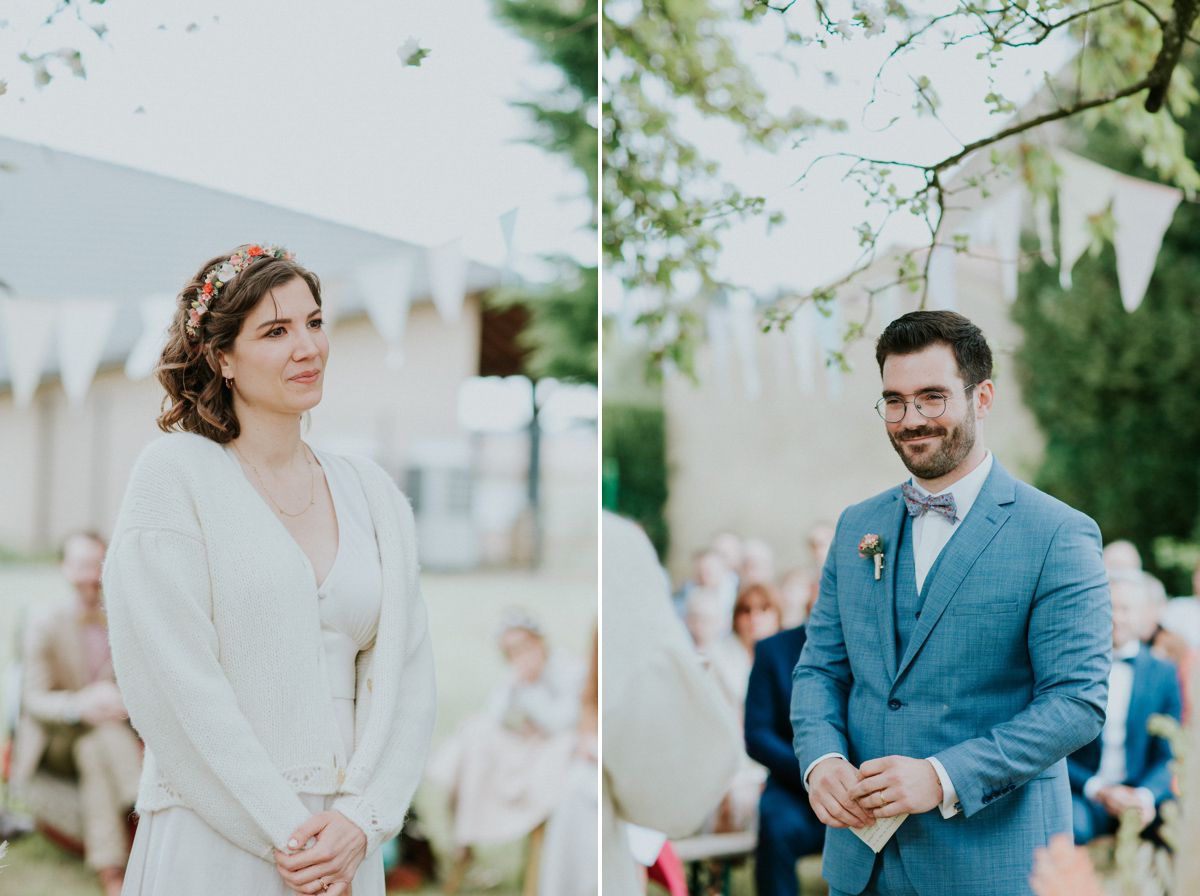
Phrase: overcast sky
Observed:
(308, 105)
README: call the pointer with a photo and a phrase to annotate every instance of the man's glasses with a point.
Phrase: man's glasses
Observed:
(929, 405)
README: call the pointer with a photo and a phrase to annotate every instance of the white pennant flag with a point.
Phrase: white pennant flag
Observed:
(829, 335)
(1045, 232)
(448, 279)
(1085, 189)
(508, 226)
(1142, 212)
(716, 319)
(27, 326)
(386, 287)
(157, 313)
(83, 328)
(939, 279)
(741, 308)
(803, 332)
(1006, 237)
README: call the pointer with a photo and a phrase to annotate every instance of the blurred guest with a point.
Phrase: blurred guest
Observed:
(796, 594)
(505, 767)
(1156, 600)
(1126, 767)
(658, 706)
(73, 721)
(569, 863)
(787, 826)
(758, 564)
(1121, 555)
(1181, 616)
(820, 537)
(705, 619)
(709, 572)
(756, 615)
(731, 548)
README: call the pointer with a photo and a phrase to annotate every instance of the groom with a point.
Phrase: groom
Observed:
(949, 678)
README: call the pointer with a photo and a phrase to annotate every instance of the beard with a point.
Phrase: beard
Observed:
(929, 462)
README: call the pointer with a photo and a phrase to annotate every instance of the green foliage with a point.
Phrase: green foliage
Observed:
(664, 202)
(635, 467)
(1115, 392)
(562, 333)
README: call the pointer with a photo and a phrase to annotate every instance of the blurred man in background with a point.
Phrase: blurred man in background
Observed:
(73, 723)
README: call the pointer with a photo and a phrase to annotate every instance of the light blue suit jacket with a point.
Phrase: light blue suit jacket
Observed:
(1005, 673)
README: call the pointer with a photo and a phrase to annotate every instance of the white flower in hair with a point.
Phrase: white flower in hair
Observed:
(226, 272)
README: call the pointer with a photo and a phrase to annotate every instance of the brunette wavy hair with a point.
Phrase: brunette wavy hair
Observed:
(197, 400)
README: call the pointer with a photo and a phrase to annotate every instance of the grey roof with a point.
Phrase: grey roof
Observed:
(75, 227)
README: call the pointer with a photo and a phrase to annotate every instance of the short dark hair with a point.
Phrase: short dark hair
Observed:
(918, 330)
(195, 401)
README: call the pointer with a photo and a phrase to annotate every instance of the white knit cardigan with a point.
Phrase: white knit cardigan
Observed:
(216, 641)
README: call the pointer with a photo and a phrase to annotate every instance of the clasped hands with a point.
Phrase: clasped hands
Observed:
(326, 865)
(1116, 798)
(847, 797)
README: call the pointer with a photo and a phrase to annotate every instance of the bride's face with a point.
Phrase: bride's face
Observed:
(277, 362)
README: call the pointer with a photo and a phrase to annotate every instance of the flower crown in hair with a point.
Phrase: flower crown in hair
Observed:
(221, 275)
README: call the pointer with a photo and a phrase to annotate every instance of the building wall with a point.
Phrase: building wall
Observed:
(776, 465)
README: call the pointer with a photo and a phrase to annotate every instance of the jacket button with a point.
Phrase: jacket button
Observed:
(894, 704)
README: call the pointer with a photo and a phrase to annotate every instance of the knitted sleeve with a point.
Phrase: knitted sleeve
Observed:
(403, 692)
(165, 651)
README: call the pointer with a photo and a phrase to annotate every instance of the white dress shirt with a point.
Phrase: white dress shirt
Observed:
(1112, 768)
(931, 532)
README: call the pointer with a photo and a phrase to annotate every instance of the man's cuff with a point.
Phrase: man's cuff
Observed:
(1091, 787)
(950, 805)
(813, 764)
(1146, 795)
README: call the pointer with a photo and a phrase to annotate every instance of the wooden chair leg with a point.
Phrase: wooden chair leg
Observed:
(533, 864)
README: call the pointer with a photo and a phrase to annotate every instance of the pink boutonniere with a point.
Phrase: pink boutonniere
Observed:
(872, 546)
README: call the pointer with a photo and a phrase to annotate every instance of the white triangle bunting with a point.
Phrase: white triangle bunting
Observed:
(83, 327)
(27, 326)
(157, 312)
(940, 285)
(1142, 212)
(742, 318)
(1085, 190)
(448, 279)
(386, 288)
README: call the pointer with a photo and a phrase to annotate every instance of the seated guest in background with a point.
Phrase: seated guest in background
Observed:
(796, 594)
(1156, 600)
(758, 564)
(1125, 767)
(73, 721)
(787, 826)
(1120, 555)
(705, 619)
(756, 615)
(505, 767)
(1181, 616)
(709, 572)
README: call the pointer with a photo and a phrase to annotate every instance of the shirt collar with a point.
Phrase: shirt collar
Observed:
(967, 489)
(1129, 651)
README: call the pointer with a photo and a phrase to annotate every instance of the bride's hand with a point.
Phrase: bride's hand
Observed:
(328, 866)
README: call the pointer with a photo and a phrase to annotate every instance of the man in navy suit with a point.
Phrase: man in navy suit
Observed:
(1125, 767)
(787, 826)
(959, 649)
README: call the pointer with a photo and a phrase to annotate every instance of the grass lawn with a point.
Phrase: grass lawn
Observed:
(463, 611)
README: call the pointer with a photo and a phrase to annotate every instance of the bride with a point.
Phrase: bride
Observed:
(267, 629)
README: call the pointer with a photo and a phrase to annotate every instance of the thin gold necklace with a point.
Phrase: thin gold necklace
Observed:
(312, 483)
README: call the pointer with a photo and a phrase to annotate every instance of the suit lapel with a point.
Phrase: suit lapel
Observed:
(975, 533)
(1135, 718)
(884, 591)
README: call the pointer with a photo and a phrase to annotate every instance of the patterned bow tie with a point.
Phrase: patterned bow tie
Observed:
(918, 503)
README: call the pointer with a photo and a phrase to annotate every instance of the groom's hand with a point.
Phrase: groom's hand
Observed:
(893, 785)
(829, 789)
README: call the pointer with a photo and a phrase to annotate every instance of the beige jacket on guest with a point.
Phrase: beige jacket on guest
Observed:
(671, 745)
(52, 671)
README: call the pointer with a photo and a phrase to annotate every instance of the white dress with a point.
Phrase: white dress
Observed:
(175, 853)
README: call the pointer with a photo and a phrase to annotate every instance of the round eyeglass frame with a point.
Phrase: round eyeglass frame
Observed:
(880, 406)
